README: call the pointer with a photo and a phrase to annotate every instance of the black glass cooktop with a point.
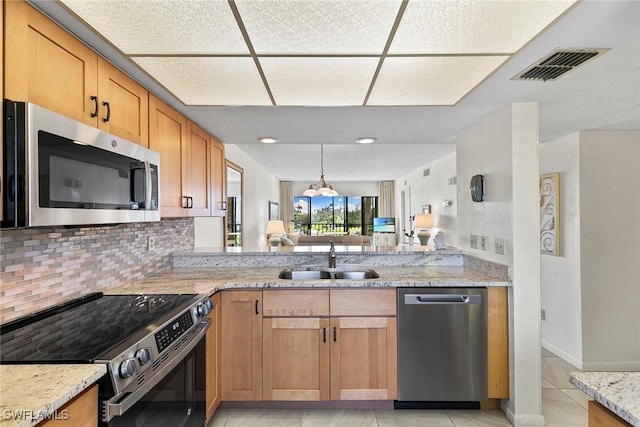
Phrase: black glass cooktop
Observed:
(83, 330)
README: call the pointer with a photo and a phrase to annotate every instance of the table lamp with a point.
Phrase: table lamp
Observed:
(275, 228)
(424, 221)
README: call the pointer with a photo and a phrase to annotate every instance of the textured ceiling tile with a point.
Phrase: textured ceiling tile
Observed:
(430, 80)
(164, 26)
(209, 81)
(320, 27)
(319, 81)
(473, 26)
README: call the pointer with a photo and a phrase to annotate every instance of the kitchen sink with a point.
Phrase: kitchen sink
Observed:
(292, 274)
(356, 275)
(304, 274)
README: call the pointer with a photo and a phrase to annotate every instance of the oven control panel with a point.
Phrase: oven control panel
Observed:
(170, 333)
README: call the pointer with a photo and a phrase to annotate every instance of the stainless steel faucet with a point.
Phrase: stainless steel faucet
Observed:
(332, 256)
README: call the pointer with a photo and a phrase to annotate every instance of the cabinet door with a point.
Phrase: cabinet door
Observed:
(82, 411)
(212, 364)
(123, 105)
(198, 171)
(295, 358)
(218, 179)
(46, 65)
(241, 345)
(363, 358)
(168, 136)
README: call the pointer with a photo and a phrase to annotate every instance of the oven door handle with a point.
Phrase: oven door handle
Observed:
(118, 405)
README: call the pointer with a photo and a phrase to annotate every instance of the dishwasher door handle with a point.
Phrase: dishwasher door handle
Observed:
(434, 299)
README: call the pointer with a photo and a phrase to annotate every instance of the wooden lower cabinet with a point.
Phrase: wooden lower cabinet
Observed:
(241, 345)
(363, 358)
(599, 416)
(295, 358)
(81, 411)
(212, 363)
(497, 343)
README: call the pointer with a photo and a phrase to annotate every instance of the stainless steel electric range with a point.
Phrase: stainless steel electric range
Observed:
(152, 345)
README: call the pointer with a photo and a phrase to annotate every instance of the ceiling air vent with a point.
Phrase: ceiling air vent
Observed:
(558, 63)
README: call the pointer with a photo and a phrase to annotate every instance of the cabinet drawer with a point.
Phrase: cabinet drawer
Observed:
(363, 302)
(295, 303)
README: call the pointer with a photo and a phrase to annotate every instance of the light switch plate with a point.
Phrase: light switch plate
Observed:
(500, 246)
(474, 241)
(483, 242)
(151, 243)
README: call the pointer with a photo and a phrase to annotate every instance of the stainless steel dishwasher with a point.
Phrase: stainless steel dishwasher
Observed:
(442, 347)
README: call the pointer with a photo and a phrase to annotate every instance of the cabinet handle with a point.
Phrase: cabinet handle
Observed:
(223, 205)
(95, 105)
(185, 202)
(190, 202)
(108, 116)
(335, 334)
(324, 334)
(257, 311)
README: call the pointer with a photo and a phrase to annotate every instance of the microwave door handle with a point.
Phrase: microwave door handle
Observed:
(148, 185)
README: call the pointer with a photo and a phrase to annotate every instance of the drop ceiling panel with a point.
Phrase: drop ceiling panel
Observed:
(473, 26)
(319, 81)
(209, 81)
(430, 80)
(164, 26)
(318, 27)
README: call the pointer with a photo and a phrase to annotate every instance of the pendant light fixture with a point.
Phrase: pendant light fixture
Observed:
(320, 188)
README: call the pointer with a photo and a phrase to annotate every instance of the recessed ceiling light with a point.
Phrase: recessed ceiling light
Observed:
(366, 140)
(268, 140)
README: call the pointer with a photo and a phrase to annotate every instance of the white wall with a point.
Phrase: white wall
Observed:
(504, 148)
(260, 187)
(560, 275)
(486, 150)
(433, 190)
(610, 249)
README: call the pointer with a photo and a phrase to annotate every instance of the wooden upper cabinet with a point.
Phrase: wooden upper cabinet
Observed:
(218, 179)
(168, 136)
(123, 105)
(198, 152)
(46, 65)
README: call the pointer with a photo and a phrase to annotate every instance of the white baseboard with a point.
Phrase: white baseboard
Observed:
(563, 355)
(618, 366)
(523, 420)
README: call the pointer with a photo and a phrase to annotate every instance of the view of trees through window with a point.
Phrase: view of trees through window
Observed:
(334, 215)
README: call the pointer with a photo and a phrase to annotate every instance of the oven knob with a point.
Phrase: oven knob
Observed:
(144, 356)
(209, 304)
(128, 368)
(202, 310)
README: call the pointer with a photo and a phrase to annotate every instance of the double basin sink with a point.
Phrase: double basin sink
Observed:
(317, 274)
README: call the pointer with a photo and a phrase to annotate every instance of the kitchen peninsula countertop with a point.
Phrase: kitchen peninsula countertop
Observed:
(617, 391)
(30, 394)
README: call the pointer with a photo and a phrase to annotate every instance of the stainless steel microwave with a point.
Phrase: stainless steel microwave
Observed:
(58, 171)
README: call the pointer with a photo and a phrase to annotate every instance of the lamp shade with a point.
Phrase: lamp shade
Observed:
(424, 221)
(276, 227)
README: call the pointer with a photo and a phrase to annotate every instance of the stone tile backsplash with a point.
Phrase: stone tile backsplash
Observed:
(42, 267)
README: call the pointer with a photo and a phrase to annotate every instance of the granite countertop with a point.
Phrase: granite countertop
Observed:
(30, 394)
(617, 391)
(210, 280)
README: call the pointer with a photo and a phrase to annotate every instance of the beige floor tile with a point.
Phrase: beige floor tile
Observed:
(557, 372)
(264, 418)
(413, 418)
(219, 418)
(547, 353)
(479, 418)
(339, 418)
(577, 395)
(561, 410)
(547, 384)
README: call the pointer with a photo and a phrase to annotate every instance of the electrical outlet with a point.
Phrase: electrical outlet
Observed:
(543, 314)
(151, 243)
(474, 241)
(499, 246)
(483, 242)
